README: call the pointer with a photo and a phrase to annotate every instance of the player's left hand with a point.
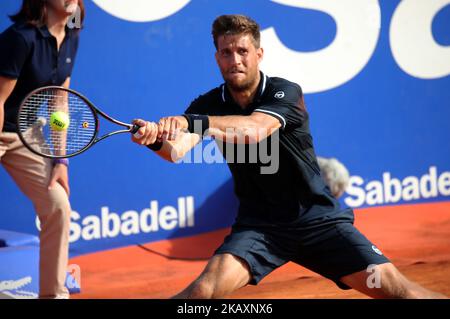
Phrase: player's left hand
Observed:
(147, 133)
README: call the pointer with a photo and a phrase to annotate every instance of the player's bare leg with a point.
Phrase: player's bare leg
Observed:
(392, 284)
(224, 274)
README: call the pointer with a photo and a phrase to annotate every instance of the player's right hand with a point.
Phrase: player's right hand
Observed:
(169, 127)
(147, 133)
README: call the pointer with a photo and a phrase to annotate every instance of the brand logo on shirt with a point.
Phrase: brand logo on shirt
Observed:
(375, 249)
(68, 60)
(279, 95)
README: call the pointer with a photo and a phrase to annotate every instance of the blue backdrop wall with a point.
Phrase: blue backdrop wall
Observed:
(375, 75)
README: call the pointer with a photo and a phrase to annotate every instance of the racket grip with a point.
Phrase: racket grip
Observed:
(135, 128)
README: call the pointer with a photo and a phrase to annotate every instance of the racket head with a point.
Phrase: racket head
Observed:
(45, 139)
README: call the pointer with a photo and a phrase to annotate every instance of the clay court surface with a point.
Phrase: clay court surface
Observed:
(415, 237)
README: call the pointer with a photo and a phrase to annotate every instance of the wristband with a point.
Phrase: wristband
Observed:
(63, 161)
(155, 146)
(197, 123)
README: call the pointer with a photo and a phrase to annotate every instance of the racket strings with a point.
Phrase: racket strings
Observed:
(35, 122)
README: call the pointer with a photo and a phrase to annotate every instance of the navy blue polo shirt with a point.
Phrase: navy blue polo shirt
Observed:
(296, 194)
(30, 55)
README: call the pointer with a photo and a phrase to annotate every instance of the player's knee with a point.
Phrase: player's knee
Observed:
(413, 290)
(385, 281)
(202, 289)
(395, 285)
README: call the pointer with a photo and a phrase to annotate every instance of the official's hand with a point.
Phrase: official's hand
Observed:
(3, 148)
(147, 133)
(60, 175)
(170, 127)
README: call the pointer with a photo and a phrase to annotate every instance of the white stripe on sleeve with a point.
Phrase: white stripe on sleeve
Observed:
(274, 114)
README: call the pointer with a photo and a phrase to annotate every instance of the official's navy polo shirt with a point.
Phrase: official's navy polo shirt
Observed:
(296, 195)
(30, 55)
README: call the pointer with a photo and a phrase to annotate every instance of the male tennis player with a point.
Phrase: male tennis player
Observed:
(288, 215)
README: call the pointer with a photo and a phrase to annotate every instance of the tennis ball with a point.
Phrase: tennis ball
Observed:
(59, 121)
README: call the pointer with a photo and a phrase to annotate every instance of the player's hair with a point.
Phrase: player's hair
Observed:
(34, 12)
(234, 24)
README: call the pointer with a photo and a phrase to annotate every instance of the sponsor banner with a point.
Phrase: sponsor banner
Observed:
(375, 76)
(432, 185)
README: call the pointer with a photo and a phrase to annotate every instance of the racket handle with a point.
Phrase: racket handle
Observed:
(135, 128)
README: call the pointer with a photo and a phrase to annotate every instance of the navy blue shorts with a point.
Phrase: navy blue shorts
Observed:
(333, 250)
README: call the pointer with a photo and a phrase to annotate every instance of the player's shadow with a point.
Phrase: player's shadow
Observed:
(219, 209)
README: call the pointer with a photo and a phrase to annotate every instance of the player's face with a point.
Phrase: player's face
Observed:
(238, 60)
(64, 7)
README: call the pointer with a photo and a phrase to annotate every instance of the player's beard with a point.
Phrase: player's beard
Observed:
(240, 86)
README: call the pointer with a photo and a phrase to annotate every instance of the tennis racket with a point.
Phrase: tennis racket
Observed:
(57, 122)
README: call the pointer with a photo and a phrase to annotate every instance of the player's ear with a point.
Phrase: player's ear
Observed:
(260, 54)
(216, 55)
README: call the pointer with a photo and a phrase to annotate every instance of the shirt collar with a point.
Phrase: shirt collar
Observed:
(226, 96)
(43, 30)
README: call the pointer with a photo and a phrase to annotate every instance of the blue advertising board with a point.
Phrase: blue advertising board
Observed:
(375, 76)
